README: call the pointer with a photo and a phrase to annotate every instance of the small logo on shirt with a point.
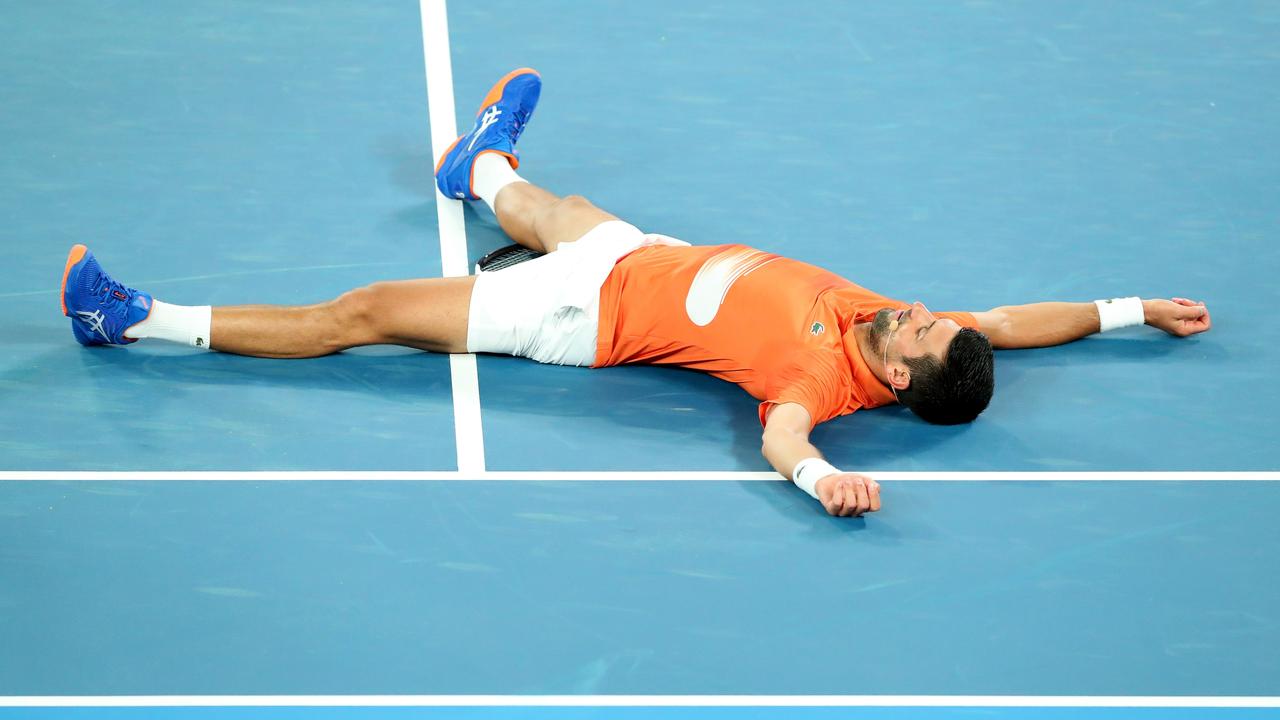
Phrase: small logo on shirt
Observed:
(816, 329)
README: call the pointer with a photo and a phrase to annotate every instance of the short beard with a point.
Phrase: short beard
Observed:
(879, 334)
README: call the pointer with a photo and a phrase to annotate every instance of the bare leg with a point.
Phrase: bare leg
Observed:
(425, 314)
(540, 220)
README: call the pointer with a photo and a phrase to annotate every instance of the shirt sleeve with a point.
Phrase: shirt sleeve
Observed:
(963, 319)
(815, 381)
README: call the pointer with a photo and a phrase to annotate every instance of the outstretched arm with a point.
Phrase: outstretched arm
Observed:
(786, 444)
(1055, 323)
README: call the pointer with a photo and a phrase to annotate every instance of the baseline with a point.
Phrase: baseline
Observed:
(682, 701)
(627, 707)
(627, 476)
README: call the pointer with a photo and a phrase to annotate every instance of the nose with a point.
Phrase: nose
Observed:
(919, 308)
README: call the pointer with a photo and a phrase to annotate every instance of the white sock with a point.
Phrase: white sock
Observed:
(176, 323)
(491, 173)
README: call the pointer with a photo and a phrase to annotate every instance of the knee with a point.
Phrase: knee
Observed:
(573, 203)
(566, 206)
(552, 221)
(353, 318)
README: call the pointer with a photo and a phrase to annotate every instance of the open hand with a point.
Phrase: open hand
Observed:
(1179, 316)
(848, 494)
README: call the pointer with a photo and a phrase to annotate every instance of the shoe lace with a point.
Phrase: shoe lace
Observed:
(106, 288)
(518, 120)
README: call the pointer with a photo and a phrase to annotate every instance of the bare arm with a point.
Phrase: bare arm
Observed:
(1055, 323)
(786, 443)
(786, 438)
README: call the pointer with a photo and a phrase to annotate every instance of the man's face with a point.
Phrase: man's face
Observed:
(919, 333)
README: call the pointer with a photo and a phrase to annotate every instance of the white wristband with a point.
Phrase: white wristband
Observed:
(809, 471)
(1119, 312)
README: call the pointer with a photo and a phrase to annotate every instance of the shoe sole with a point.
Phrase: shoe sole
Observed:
(446, 152)
(76, 255)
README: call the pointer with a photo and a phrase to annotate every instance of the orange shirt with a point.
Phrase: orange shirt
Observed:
(779, 328)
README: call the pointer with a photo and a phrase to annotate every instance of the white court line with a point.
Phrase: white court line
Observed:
(625, 476)
(1076, 701)
(468, 432)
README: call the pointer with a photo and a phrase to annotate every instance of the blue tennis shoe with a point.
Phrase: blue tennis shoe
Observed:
(100, 308)
(502, 117)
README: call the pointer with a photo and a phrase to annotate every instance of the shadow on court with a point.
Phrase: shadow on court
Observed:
(168, 408)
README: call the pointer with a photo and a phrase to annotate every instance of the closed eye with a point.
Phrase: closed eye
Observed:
(924, 330)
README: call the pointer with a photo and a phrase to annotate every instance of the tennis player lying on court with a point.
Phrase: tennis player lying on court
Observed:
(808, 344)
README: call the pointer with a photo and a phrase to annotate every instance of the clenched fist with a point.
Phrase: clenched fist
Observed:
(848, 494)
(1179, 316)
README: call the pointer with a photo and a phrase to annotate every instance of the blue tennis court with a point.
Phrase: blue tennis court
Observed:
(371, 534)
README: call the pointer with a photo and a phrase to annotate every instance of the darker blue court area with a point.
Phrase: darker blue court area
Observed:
(215, 154)
(967, 155)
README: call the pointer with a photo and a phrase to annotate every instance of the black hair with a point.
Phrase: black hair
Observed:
(955, 391)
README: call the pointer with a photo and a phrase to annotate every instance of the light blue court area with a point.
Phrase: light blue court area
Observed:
(637, 588)
(641, 713)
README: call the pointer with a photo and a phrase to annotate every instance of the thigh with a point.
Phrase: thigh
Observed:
(541, 309)
(429, 314)
(548, 308)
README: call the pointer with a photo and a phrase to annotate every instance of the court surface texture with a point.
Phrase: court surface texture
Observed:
(392, 534)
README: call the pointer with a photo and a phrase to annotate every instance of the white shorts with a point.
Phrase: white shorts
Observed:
(548, 308)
